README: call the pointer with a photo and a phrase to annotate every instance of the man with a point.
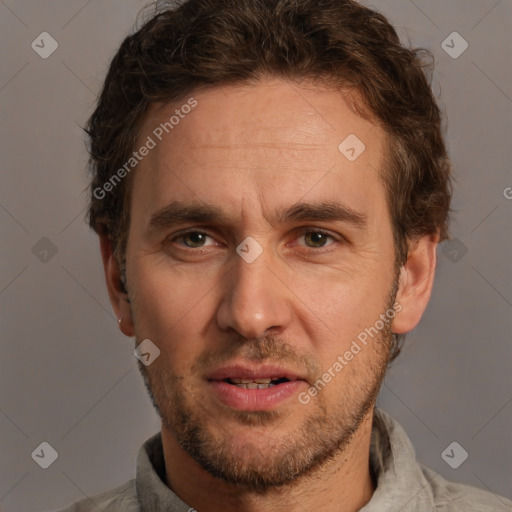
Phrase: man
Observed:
(269, 186)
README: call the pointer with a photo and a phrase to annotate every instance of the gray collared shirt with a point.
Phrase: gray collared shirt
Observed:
(403, 484)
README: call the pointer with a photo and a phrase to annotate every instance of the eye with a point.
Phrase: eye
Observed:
(192, 239)
(316, 238)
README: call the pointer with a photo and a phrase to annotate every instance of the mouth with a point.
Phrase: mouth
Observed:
(256, 383)
(254, 377)
(255, 388)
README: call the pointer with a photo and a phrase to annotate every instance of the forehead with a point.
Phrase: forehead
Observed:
(304, 114)
(268, 142)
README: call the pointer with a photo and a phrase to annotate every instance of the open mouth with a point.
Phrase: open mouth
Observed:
(262, 383)
(262, 388)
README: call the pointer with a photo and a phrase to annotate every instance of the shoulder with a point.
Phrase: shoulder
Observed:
(457, 497)
(122, 498)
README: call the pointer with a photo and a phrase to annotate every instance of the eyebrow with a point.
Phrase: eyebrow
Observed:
(178, 212)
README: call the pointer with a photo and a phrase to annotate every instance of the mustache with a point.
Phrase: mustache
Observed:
(267, 349)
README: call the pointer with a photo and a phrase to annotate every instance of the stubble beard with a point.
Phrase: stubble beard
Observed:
(259, 467)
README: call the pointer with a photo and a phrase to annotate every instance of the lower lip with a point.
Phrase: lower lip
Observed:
(255, 399)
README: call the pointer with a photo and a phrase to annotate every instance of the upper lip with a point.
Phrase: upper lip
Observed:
(238, 371)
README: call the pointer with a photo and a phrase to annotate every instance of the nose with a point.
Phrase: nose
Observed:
(255, 299)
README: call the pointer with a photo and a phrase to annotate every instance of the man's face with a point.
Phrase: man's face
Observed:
(266, 158)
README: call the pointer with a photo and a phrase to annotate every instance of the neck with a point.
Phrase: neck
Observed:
(344, 484)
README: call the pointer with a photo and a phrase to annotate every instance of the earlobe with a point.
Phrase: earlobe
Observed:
(125, 327)
(119, 298)
(415, 283)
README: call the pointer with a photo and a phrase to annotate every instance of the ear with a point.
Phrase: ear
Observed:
(118, 298)
(415, 283)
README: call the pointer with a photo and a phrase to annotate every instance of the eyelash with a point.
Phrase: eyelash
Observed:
(301, 233)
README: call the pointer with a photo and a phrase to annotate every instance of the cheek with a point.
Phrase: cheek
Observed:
(169, 310)
(342, 304)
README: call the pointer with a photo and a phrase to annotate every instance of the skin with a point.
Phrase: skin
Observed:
(251, 150)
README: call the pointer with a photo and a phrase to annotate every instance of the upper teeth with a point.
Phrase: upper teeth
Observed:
(249, 381)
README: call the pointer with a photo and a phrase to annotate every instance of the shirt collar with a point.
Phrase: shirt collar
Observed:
(153, 493)
(401, 485)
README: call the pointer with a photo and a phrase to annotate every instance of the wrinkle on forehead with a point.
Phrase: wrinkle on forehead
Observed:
(254, 145)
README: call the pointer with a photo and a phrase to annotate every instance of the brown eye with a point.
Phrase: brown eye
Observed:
(192, 239)
(316, 239)
(196, 239)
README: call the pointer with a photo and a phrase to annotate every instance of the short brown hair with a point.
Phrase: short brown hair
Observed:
(340, 43)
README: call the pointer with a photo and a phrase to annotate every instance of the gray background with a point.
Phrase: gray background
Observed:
(69, 377)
